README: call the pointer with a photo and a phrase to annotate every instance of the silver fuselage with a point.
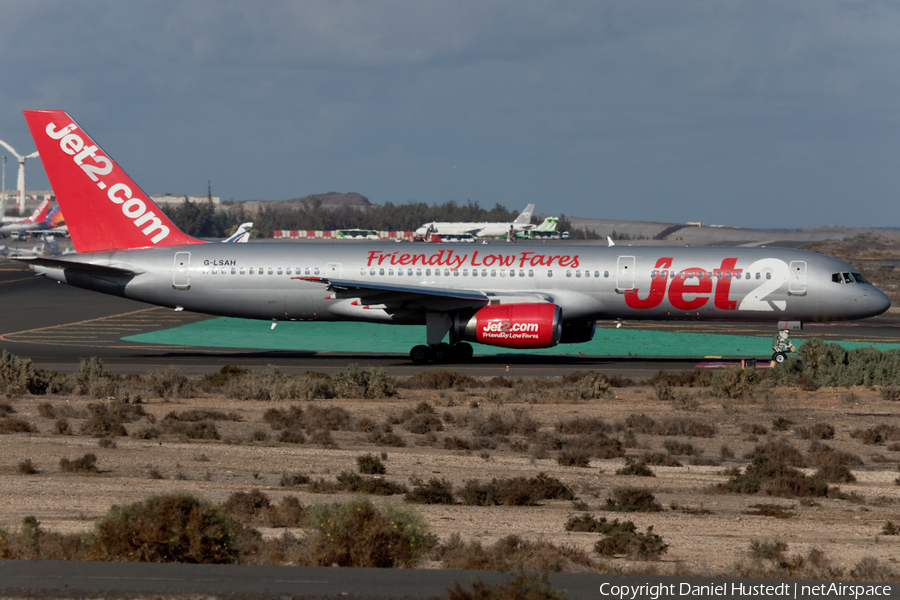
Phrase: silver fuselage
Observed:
(269, 281)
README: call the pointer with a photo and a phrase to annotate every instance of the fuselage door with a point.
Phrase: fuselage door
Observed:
(333, 270)
(181, 279)
(797, 285)
(625, 274)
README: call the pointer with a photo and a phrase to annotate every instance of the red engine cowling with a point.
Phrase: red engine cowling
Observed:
(534, 325)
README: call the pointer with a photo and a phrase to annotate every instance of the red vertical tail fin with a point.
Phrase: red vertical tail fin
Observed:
(40, 213)
(104, 208)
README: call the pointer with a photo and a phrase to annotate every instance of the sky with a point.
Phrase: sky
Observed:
(781, 113)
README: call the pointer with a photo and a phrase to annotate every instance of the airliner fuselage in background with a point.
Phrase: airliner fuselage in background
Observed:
(521, 223)
(533, 296)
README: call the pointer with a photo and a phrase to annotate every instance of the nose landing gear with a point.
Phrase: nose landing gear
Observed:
(782, 347)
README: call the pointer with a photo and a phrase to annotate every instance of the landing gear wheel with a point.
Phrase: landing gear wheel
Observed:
(420, 354)
(779, 357)
(463, 352)
(442, 353)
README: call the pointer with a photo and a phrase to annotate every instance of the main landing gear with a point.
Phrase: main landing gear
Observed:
(441, 353)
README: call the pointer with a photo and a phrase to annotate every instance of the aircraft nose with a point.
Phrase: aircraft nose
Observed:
(873, 302)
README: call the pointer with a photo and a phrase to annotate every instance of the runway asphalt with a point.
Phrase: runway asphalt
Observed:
(57, 325)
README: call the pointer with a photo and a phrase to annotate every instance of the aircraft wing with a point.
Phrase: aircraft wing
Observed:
(393, 296)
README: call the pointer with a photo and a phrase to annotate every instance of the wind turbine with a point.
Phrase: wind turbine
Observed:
(20, 180)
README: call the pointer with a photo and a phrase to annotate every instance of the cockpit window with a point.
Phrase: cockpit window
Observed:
(844, 278)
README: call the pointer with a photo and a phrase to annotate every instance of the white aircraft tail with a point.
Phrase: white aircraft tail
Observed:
(241, 235)
(525, 217)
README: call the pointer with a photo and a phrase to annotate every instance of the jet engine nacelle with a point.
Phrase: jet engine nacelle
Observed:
(533, 325)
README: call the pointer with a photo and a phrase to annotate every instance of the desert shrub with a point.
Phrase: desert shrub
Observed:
(834, 474)
(778, 452)
(247, 507)
(278, 418)
(515, 491)
(222, 376)
(772, 476)
(31, 542)
(781, 424)
(453, 442)
(889, 392)
(268, 383)
(293, 479)
(524, 586)
(877, 435)
(582, 425)
(357, 484)
(383, 435)
(830, 364)
(594, 445)
(202, 415)
(18, 376)
(637, 468)
(434, 491)
(677, 426)
(819, 431)
(45, 409)
(439, 380)
(585, 523)
(681, 448)
(360, 534)
(62, 427)
(369, 464)
(762, 550)
(823, 454)
(194, 430)
(169, 383)
(423, 423)
(623, 539)
(871, 569)
(26, 467)
(890, 529)
(15, 425)
(495, 423)
(511, 553)
(754, 429)
(168, 528)
(631, 499)
(691, 378)
(368, 383)
(735, 382)
(93, 379)
(85, 464)
(574, 459)
(330, 418)
(659, 459)
(584, 385)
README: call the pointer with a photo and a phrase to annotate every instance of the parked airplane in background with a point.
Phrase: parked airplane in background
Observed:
(521, 223)
(528, 296)
(241, 235)
(36, 222)
(40, 210)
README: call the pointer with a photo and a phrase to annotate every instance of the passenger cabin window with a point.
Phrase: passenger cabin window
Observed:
(279, 270)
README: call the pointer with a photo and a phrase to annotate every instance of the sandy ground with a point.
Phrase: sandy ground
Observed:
(710, 542)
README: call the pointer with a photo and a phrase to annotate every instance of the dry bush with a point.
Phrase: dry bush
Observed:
(85, 464)
(383, 435)
(222, 376)
(453, 442)
(770, 560)
(292, 436)
(877, 435)
(369, 464)
(15, 425)
(631, 499)
(439, 380)
(33, 543)
(193, 430)
(781, 424)
(26, 467)
(823, 454)
(368, 383)
(511, 553)
(835, 473)
(519, 422)
(62, 427)
(277, 418)
(691, 378)
(735, 382)
(779, 452)
(636, 468)
(293, 479)
(677, 426)
(585, 523)
(18, 376)
(357, 484)
(423, 423)
(819, 431)
(623, 539)
(360, 534)
(435, 491)
(681, 448)
(583, 425)
(515, 491)
(169, 528)
(255, 508)
(754, 429)
(768, 474)
(890, 393)
(91, 378)
(574, 459)
(594, 445)
(45, 409)
(331, 418)
(659, 459)
(194, 415)
(108, 420)
(169, 383)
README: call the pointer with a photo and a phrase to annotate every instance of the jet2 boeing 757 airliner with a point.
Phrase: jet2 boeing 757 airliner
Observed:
(523, 297)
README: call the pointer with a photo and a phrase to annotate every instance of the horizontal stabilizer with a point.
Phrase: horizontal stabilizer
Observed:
(58, 263)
